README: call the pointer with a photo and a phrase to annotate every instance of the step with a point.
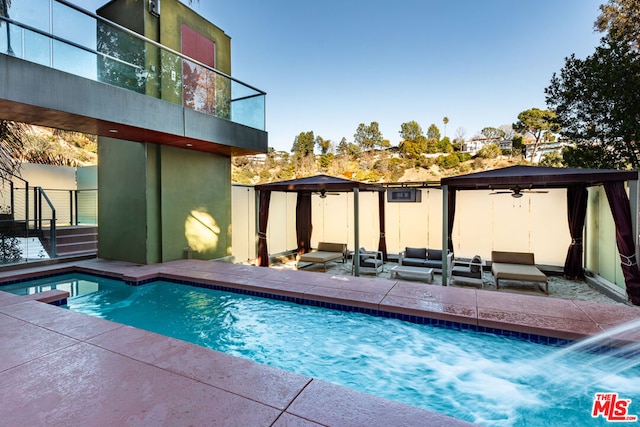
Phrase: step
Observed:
(73, 247)
(73, 238)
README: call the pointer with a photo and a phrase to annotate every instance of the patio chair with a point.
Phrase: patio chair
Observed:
(368, 260)
(467, 272)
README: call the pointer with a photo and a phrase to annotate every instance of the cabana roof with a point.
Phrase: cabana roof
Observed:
(536, 177)
(318, 183)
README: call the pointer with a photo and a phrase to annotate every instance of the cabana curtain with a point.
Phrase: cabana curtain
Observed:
(382, 243)
(451, 200)
(304, 227)
(263, 218)
(620, 208)
(576, 211)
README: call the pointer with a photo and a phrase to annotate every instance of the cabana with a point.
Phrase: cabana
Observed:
(305, 187)
(517, 179)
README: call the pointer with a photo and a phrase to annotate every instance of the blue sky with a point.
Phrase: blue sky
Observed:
(329, 65)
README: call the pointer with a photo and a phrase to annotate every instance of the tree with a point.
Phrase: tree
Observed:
(553, 159)
(368, 137)
(492, 133)
(347, 148)
(489, 151)
(536, 122)
(445, 120)
(620, 19)
(11, 146)
(303, 144)
(410, 131)
(508, 132)
(445, 146)
(458, 140)
(597, 101)
(323, 144)
(413, 142)
(433, 132)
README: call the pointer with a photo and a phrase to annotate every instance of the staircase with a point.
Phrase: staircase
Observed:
(73, 241)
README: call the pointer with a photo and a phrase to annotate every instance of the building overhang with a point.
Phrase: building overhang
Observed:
(39, 95)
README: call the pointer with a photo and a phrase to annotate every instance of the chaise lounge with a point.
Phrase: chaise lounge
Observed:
(518, 266)
(325, 253)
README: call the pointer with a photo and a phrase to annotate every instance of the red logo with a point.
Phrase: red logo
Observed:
(612, 408)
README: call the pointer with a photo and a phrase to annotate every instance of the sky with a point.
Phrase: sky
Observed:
(330, 65)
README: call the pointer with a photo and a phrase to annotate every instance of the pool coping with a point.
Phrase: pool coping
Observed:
(284, 398)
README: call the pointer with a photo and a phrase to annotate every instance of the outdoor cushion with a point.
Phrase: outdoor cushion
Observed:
(475, 264)
(371, 262)
(434, 254)
(416, 253)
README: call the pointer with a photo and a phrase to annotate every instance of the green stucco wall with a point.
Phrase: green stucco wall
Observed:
(195, 204)
(156, 201)
(122, 204)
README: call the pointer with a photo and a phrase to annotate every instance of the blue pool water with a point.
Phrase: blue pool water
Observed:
(483, 378)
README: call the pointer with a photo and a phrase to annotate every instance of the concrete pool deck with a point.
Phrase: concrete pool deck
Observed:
(65, 368)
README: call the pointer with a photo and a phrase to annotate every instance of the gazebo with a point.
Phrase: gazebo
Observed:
(305, 187)
(518, 179)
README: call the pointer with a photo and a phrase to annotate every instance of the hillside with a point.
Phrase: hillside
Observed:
(63, 148)
(55, 147)
(381, 167)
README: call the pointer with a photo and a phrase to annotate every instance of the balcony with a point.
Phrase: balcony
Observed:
(61, 36)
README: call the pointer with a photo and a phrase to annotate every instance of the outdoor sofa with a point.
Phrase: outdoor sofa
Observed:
(518, 266)
(424, 257)
(326, 252)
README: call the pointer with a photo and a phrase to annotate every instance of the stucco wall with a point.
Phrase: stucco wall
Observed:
(195, 204)
(122, 207)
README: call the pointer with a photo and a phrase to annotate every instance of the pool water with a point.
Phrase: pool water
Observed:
(482, 378)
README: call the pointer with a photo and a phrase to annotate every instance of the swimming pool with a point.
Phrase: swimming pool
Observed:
(483, 378)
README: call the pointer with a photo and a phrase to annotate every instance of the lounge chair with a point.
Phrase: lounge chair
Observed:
(368, 260)
(467, 272)
(325, 253)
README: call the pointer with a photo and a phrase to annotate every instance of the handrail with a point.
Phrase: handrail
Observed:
(131, 33)
(153, 42)
(52, 231)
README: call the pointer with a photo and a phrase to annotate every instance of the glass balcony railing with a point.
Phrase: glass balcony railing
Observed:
(58, 34)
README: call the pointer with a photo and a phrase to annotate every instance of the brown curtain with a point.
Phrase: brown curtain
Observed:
(621, 210)
(382, 243)
(263, 217)
(451, 200)
(576, 210)
(303, 222)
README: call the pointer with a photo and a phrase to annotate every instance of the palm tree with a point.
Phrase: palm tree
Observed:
(11, 146)
(445, 121)
(4, 12)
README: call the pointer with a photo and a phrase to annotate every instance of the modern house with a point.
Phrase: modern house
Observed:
(152, 80)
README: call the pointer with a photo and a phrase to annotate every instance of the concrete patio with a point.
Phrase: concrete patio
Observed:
(66, 368)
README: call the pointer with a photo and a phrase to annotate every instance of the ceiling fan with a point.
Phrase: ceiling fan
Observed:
(517, 191)
(323, 194)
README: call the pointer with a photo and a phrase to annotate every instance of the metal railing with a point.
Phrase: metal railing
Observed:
(61, 35)
(31, 216)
